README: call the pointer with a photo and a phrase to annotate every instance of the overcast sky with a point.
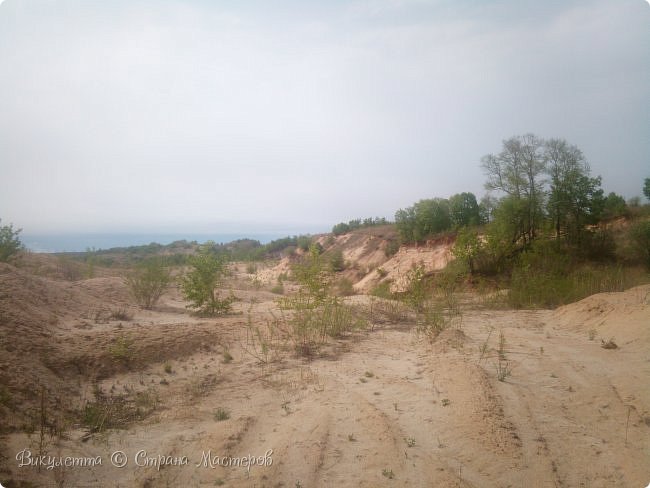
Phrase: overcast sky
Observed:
(195, 116)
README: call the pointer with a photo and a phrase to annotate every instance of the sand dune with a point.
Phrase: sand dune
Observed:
(381, 408)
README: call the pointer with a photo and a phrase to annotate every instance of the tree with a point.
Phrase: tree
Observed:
(646, 188)
(486, 208)
(464, 210)
(517, 171)
(614, 206)
(9, 242)
(199, 286)
(148, 282)
(575, 197)
(467, 247)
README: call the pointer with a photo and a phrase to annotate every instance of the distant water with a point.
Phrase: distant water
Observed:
(82, 242)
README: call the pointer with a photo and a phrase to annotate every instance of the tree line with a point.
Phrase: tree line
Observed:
(543, 183)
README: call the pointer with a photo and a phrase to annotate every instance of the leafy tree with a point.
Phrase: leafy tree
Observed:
(341, 228)
(423, 219)
(467, 247)
(148, 282)
(517, 171)
(9, 242)
(464, 210)
(614, 206)
(575, 197)
(405, 223)
(646, 188)
(486, 208)
(199, 286)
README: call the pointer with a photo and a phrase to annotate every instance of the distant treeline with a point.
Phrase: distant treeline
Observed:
(354, 224)
(176, 253)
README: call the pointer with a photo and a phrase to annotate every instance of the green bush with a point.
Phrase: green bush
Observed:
(640, 240)
(337, 262)
(391, 247)
(148, 281)
(199, 286)
(546, 277)
(9, 242)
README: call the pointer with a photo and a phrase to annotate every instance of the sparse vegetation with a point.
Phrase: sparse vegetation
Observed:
(148, 281)
(121, 313)
(221, 414)
(314, 312)
(122, 350)
(117, 411)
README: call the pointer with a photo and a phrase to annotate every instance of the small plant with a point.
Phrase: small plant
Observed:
(278, 289)
(363, 380)
(502, 346)
(251, 268)
(592, 334)
(122, 350)
(368, 374)
(382, 273)
(227, 357)
(219, 482)
(351, 438)
(121, 314)
(168, 368)
(446, 402)
(410, 442)
(388, 473)
(221, 414)
(503, 370)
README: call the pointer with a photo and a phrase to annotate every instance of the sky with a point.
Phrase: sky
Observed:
(255, 116)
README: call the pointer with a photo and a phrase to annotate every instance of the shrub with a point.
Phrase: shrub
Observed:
(315, 313)
(345, 287)
(640, 239)
(391, 248)
(382, 290)
(9, 242)
(148, 282)
(337, 263)
(278, 289)
(546, 277)
(200, 284)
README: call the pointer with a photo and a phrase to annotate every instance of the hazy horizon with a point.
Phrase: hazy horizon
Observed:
(242, 117)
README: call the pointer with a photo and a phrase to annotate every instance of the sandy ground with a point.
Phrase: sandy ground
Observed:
(383, 407)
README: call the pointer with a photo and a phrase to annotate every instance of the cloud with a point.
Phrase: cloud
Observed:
(137, 114)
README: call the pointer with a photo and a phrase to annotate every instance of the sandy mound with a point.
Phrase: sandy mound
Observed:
(624, 316)
(396, 270)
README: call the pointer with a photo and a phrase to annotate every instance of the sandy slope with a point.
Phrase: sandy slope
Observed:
(382, 408)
